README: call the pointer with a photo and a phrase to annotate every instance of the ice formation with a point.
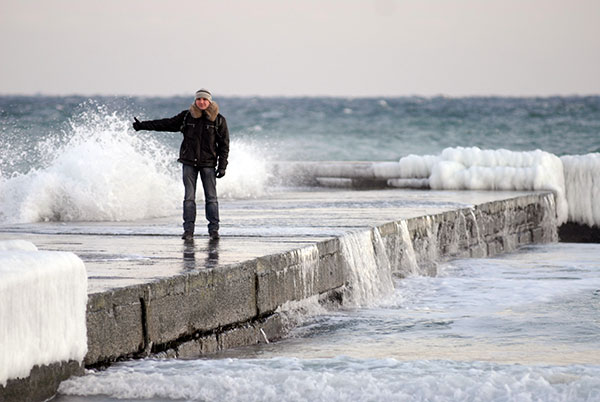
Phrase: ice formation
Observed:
(43, 297)
(571, 178)
(368, 267)
(582, 183)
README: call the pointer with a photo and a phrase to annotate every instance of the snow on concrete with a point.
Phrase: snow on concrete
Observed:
(43, 297)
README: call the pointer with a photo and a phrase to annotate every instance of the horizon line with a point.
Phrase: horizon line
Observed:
(296, 96)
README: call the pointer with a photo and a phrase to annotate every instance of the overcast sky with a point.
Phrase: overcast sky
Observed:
(307, 47)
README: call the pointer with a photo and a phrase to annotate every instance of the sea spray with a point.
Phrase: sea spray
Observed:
(247, 173)
(100, 170)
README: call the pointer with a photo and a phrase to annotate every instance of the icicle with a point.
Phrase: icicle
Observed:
(368, 268)
(409, 266)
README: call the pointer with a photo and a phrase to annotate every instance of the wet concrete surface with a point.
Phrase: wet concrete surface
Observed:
(119, 254)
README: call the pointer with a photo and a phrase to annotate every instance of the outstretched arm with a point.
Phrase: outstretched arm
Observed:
(170, 124)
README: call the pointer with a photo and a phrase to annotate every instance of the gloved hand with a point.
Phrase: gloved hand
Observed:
(220, 173)
(137, 125)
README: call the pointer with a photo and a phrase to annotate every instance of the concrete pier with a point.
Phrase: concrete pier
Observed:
(149, 292)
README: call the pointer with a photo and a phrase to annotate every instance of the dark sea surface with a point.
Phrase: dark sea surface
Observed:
(373, 129)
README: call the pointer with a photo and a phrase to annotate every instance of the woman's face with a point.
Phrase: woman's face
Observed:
(202, 103)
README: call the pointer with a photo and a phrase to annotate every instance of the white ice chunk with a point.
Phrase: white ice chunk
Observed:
(43, 297)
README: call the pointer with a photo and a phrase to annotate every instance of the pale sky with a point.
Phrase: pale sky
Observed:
(296, 48)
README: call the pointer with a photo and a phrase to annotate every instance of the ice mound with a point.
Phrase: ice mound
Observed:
(582, 184)
(43, 297)
(475, 169)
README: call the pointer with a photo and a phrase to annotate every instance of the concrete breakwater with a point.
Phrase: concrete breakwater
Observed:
(205, 311)
(570, 178)
(202, 304)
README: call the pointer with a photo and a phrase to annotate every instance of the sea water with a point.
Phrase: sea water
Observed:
(519, 327)
(319, 128)
(75, 158)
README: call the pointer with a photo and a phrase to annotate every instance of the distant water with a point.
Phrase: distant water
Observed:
(377, 129)
(520, 327)
(75, 158)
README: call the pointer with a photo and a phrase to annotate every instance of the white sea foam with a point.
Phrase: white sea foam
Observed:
(337, 379)
(102, 171)
(43, 297)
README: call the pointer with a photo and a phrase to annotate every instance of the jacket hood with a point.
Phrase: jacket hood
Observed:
(211, 111)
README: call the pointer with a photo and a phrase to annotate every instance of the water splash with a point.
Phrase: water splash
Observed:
(97, 171)
(247, 172)
(100, 170)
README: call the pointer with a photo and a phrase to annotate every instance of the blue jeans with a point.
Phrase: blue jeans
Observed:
(211, 204)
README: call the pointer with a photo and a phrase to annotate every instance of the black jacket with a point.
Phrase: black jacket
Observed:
(205, 142)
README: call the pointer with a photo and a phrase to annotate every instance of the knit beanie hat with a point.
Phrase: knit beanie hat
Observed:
(203, 93)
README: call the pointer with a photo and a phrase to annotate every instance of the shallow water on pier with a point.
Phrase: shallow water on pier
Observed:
(522, 326)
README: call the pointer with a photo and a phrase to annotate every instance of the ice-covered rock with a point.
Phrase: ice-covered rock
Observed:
(43, 296)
